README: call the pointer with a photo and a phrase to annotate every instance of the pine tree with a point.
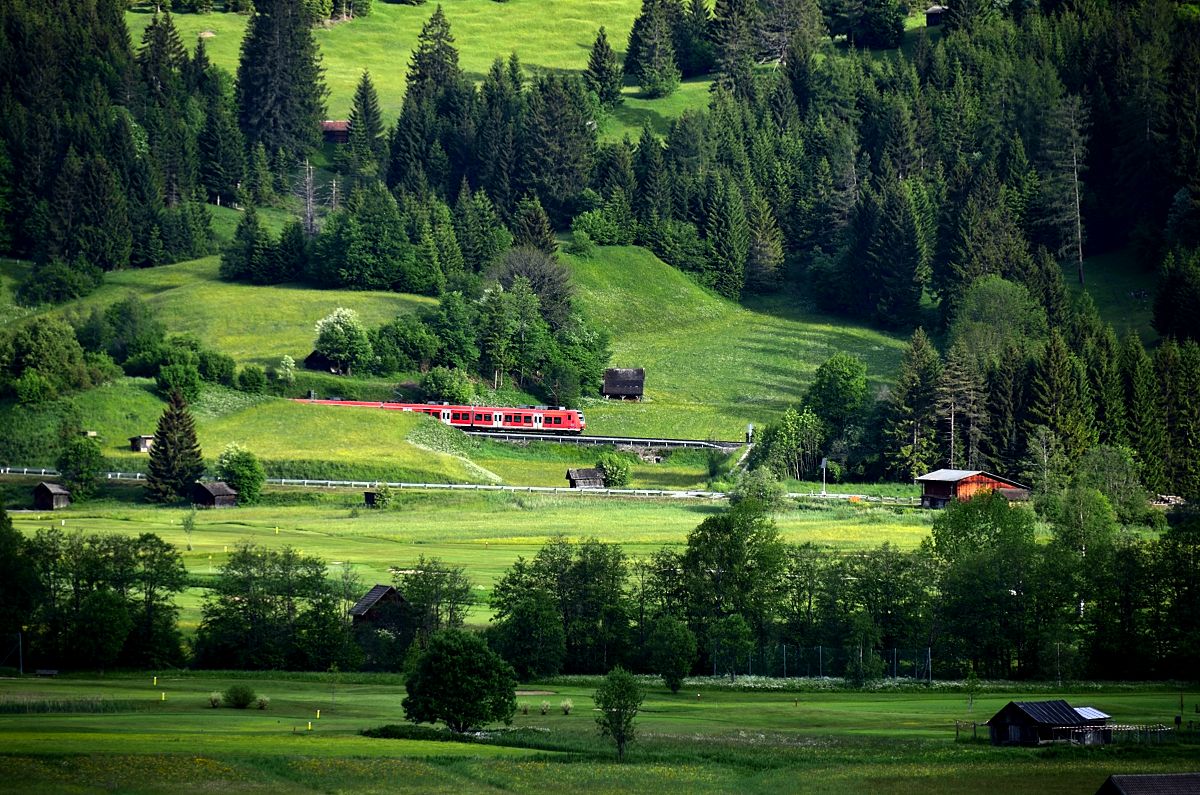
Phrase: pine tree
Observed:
(1103, 359)
(652, 199)
(604, 75)
(280, 83)
(434, 66)
(531, 226)
(729, 235)
(1006, 386)
(693, 40)
(961, 405)
(250, 256)
(734, 23)
(765, 256)
(1060, 399)
(260, 187)
(558, 143)
(175, 461)
(367, 146)
(651, 60)
(482, 238)
(911, 410)
(162, 60)
(449, 254)
(1064, 157)
(91, 213)
(785, 23)
(1167, 372)
(222, 159)
(1147, 417)
(1185, 444)
(895, 258)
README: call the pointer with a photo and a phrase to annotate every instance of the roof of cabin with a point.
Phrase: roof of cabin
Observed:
(1051, 713)
(218, 489)
(370, 599)
(585, 474)
(955, 475)
(53, 488)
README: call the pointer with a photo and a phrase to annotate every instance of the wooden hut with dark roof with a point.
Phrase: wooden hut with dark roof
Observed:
(142, 443)
(625, 383)
(335, 131)
(1151, 784)
(374, 603)
(941, 487)
(50, 497)
(585, 478)
(934, 15)
(214, 495)
(1037, 722)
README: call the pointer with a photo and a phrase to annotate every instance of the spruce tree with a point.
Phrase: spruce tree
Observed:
(961, 404)
(1060, 399)
(175, 460)
(789, 23)
(895, 259)
(280, 83)
(531, 226)
(434, 65)
(367, 146)
(911, 425)
(734, 23)
(603, 75)
(559, 143)
(450, 255)
(1185, 444)
(729, 235)
(1147, 417)
(222, 158)
(652, 199)
(1064, 158)
(765, 256)
(654, 66)
(693, 40)
(260, 187)
(1006, 386)
(1103, 359)
(1167, 372)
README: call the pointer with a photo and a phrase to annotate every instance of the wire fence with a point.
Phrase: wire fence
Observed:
(787, 660)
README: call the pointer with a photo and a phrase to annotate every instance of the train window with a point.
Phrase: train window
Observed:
(528, 419)
(479, 418)
(508, 418)
(454, 416)
(558, 420)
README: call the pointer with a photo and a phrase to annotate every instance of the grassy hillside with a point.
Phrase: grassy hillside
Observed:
(544, 39)
(711, 365)
(1123, 292)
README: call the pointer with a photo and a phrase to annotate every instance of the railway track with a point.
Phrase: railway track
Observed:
(616, 441)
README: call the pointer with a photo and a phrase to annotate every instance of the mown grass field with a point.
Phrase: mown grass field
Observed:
(723, 741)
(711, 365)
(482, 532)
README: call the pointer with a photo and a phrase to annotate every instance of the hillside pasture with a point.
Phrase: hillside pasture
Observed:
(711, 365)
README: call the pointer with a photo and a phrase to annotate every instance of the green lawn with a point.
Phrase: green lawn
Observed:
(1124, 294)
(705, 739)
(711, 365)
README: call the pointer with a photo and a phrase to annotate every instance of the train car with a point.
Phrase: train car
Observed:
(524, 419)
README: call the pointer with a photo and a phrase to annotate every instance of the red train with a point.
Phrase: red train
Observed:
(528, 419)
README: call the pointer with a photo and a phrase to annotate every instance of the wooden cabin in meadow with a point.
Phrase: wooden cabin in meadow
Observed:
(934, 15)
(1038, 722)
(50, 497)
(335, 131)
(941, 487)
(320, 362)
(141, 444)
(585, 478)
(624, 383)
(214, 494)
(375, 603)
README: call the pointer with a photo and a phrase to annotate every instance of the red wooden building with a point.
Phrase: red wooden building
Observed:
(335, 131)
(941, 486)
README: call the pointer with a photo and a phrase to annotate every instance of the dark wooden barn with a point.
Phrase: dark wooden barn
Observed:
(50, 497)
(375, 603)
(334, 131)
(141, 444)
(214, 495)
(626, 383)
(942, 486)
(585, 478)
(934, 15)
(1151, 784)
(319, 361)
(1037, 722)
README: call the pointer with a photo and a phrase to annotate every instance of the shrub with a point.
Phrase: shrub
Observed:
(214, 700)
(181, 378)
(262, 702)
(242, 470)
(615, 468)
(545, 707)
(252, 380)
(286, 372)
(443, 383)
(383, 495)
(524, 708)
(566, 706)
(239, 696)
(581, 244)
(216, 368)
(33, 388)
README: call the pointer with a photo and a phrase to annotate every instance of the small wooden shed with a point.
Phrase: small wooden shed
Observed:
(934, 15)
(335, 131)
(50, 497)
(940, 487)
(320, 362)
(141, 444)
(625, 383)
(1037, 722)
(374, 603)
(214, 495)
(585, 478)
(1150, 784)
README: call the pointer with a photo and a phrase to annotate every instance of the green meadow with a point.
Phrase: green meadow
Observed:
(163, 737)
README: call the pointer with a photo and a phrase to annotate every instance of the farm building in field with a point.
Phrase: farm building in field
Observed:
(1151, 784)
(375, 603)
(320, 362)
(214, 495)
(585, 478)
(942, 486)
(50, 497)
(141, 444)
(335, 131)
(626, 383)
(934, 15)
(1037, 722)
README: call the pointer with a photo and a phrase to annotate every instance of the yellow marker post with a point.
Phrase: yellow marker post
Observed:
(318, 714)
(164, 696)
(310, 725)
(276, 531)
(226, 548)
(156, 681)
